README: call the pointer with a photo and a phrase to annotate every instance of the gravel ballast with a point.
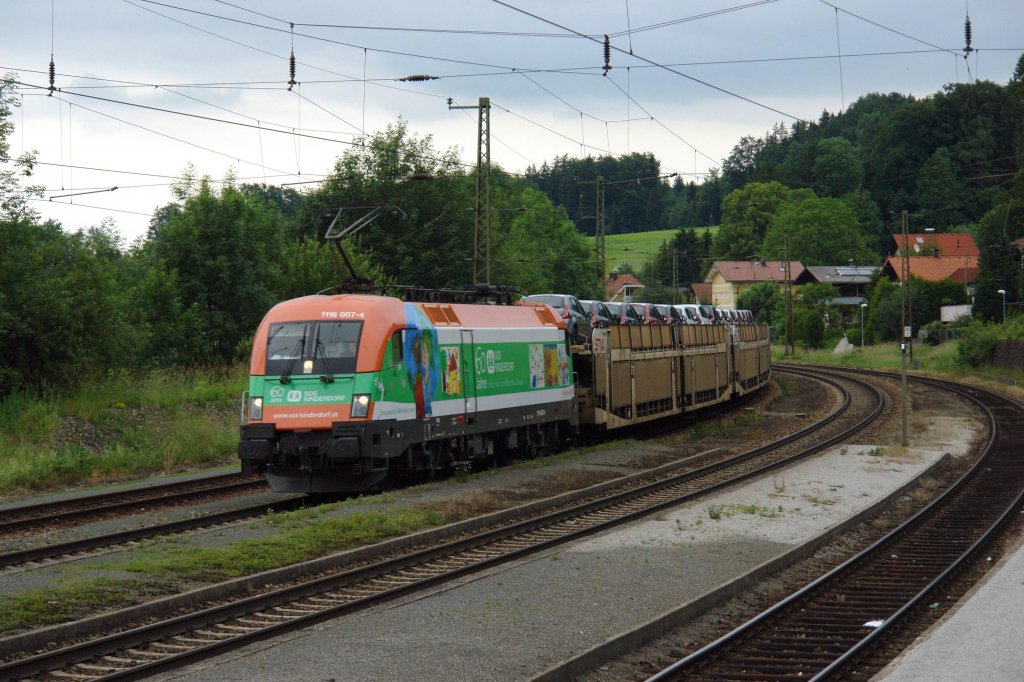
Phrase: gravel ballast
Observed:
(517, 621)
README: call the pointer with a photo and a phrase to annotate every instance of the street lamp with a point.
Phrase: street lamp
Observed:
(1003, 292)
(862, 307)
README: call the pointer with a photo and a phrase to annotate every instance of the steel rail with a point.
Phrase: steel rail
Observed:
(329, 596)
(802, 600)
(30, 516)
(44, 552)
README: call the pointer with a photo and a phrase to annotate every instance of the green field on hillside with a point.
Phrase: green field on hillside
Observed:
(636, 248)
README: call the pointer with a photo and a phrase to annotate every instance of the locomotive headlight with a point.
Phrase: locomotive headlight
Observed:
(256, 408)
(360, 405)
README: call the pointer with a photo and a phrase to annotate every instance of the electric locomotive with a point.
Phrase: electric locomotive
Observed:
(349, 391)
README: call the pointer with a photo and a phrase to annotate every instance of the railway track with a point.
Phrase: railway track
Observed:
(844, 624)
(77, 510)
(73, 549)
(135, 653)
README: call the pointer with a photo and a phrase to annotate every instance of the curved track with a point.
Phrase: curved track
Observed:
(175, 642)
(831, 627)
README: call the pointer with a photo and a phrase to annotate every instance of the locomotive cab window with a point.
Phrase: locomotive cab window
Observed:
(396, 348)
(312, 348)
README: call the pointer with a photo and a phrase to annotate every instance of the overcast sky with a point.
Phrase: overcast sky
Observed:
(148, 87)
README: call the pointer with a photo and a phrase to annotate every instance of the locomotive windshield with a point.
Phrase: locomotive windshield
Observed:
(312, 348)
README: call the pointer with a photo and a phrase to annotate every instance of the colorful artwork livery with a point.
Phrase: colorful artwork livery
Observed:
(345, 390)
(349, 392)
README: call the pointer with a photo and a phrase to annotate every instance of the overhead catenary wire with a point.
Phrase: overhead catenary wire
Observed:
(594, 138)
(886, 28)
(515, 34)
(291, 25)
(654, 63)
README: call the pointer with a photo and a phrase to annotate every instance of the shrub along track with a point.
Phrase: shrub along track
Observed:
(176, 641)
(850, 622)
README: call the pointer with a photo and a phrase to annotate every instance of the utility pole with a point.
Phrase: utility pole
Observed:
(675, 277)
(599, 251)
(482, 233)
(789, 299)
(905, 323)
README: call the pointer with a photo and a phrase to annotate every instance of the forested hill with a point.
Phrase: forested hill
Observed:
(945, 158)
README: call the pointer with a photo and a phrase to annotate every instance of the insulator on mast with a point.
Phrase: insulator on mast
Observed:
(607, 55)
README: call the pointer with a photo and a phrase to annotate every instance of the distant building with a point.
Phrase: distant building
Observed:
(934, 257)
(935, 269)
(730, 278)
(850, 281)
(937, 244)
(621, 287)
(701, 292)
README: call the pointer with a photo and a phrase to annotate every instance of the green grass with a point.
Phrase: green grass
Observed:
(58, 604)
(883, 356)
(717, 512)
(636, 248)
(307, 538)
(163, 568)
(120, 426)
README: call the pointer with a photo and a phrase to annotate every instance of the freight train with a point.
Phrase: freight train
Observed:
(350, 392)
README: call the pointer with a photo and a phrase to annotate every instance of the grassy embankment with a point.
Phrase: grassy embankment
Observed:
(637, 248)
(125, 425)
(938, 360)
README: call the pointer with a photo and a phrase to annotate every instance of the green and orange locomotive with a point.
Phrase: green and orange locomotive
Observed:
(349, 391)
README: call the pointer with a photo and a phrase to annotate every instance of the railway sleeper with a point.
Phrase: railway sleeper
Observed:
(218, 636)
(170, 648)
(152, 655)
(65, 675)
(195, 640)
(296, 610)
(234, 629)
(95, 668)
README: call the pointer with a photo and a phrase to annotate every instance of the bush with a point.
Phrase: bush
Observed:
(933, 333)
(808, 327)
(975, 346)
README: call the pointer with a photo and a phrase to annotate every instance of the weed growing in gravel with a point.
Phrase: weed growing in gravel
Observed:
(316, 537)
(720, 511)
(56, 604)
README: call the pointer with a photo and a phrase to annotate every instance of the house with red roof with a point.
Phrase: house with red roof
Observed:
(701, 292)
(934, 256)
(730, 278)
(937, 244)
(621, 286)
